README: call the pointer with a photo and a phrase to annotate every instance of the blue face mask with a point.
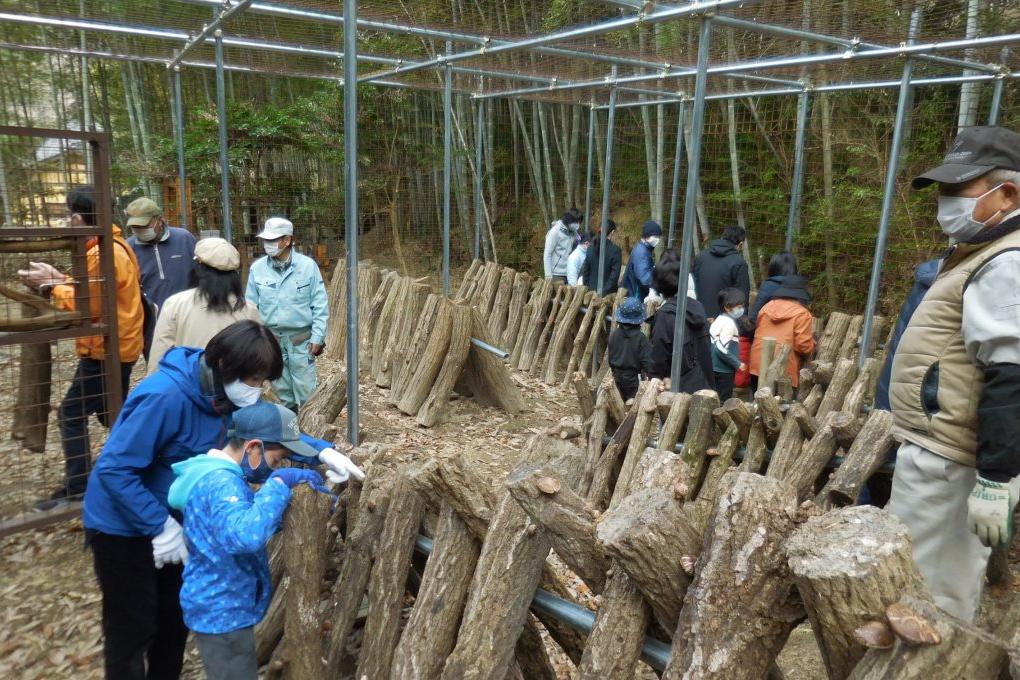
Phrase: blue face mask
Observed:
(257, 475)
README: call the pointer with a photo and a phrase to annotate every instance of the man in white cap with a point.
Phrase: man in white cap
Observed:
(288, 291)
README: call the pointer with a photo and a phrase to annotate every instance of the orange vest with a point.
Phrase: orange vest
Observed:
(130, 314)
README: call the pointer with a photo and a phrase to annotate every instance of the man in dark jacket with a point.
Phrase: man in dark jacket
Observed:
(637, 278)
(924, 276)
(697, 373)
(721, 266)
(165, 254)
(614, 261)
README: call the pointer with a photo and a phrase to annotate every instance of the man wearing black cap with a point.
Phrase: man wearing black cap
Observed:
(955, 387)
(637, 278)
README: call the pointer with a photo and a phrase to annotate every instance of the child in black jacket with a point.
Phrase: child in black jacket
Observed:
(629, 349)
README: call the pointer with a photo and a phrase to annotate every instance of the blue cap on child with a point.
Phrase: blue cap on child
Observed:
(270, 423)
(632, 311)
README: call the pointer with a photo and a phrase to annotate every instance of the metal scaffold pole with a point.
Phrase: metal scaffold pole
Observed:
(1000, 80)
(351, 212)
(479, 174)
(221, 114)
(591, 166)
(447, 165)
(797, 187)
(888, 196)
(690, 198)
(677, 158)
(607, 183)
(182, 185)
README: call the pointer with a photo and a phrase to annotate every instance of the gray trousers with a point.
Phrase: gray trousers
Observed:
(229, 656)
(929, 493)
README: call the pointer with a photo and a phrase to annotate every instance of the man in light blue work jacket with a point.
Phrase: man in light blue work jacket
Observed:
(287, 288)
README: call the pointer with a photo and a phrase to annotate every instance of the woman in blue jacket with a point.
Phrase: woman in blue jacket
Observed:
(182, 410)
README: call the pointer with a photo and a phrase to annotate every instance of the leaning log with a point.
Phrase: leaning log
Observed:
(577, 349)
(802, 471)
(869, 451)
(436, 403)
(769, 414)
(646, 415)
(849, 565)
(269, 631)
(614, 643)
(740, 608)
(305, 559)
(487, 375)
(842, 380)
(509, 570)
(323, 408)
(699, 434)
(431, 630)
(566, 323)
(32, 404)
(430, 363)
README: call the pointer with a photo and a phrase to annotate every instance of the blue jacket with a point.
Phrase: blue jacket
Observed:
(227, 584)
(924, 276)
(637, 278)
(290, 300)
(166, 419)
(165, 264)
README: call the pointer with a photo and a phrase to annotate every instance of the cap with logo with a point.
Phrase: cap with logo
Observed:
(217, 253)
(276, 227)
(976, 151)
(270, 423)
(141, 211)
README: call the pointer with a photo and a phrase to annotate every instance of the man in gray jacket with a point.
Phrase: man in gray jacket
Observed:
(560, 241)
(955, 387)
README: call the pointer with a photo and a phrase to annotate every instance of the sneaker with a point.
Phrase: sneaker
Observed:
(60, 498)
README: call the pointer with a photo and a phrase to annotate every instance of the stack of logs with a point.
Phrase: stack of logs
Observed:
(419, 344)
(717, 528)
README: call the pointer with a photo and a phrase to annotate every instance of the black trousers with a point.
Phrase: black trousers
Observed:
(143, 625)
(85, 396)
(724, 385)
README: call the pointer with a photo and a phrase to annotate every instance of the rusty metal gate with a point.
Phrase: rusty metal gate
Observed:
(40, 335)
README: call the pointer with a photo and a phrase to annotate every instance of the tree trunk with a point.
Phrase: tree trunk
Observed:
(869, 451)
(518, 301)
(509, 569)
(614, 644)
(769, 414)
(430, 363)
(740, 608)
(457, 351)
(487, 375)
(431, 630)
(835, 394)
(305, 559)
(802, 471)
(646, 414)
(323, 408)
(32, 408)
(849, 565)
(698, 438)
(387, 584)
(565, 327)
(269, 631)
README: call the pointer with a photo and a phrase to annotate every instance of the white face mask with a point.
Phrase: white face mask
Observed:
(737, 312)
(956, 215)
(653, 241)
(242, 394)
(272, 248)
(145, 234)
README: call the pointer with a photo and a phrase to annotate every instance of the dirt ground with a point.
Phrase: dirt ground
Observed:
(50, 607)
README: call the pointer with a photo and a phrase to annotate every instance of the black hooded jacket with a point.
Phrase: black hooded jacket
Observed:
(590, 268)
(719, 266)
(696, 373)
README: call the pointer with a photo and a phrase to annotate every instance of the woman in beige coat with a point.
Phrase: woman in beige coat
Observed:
(192, 317)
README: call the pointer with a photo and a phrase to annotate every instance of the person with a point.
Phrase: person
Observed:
(781, 265)
(215, 300)
(559, 243)
(956, 375)
(637, 278)
(227, 585)
(87, 393)
(924, 276)
(721, 266)
(629, 349)
(576, 260)
(725, 337)
(287, 289)
(696, 373)
(788, 319)
(614, 262)
(164, 253)
(742, 378)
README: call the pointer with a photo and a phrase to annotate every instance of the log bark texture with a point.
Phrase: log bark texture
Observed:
(32, 408)
(487, 375)
(849, 565)
(305, 562)
(434, 406)
(739, 611)
(870, 449)
(419, 384)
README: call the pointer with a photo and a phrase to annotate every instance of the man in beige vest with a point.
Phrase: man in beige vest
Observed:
(955, 388)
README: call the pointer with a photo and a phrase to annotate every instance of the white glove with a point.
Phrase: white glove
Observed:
(990, 512)
(169, 547)
(339, 467)
(653, 296)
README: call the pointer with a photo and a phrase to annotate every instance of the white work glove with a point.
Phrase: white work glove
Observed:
(169, 547)
(990, 512)
(339, 468)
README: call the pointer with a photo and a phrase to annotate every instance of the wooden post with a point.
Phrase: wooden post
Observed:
(698, 437)
(862, 392)
(768, 350)
(539, 356)
(776, 368)
(802, 471)
(305, 559)
(849, 565)
(540, 303)
(738, 611)
(323, 408)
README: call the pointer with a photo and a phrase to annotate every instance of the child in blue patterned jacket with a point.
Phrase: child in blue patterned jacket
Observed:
(227, 585)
